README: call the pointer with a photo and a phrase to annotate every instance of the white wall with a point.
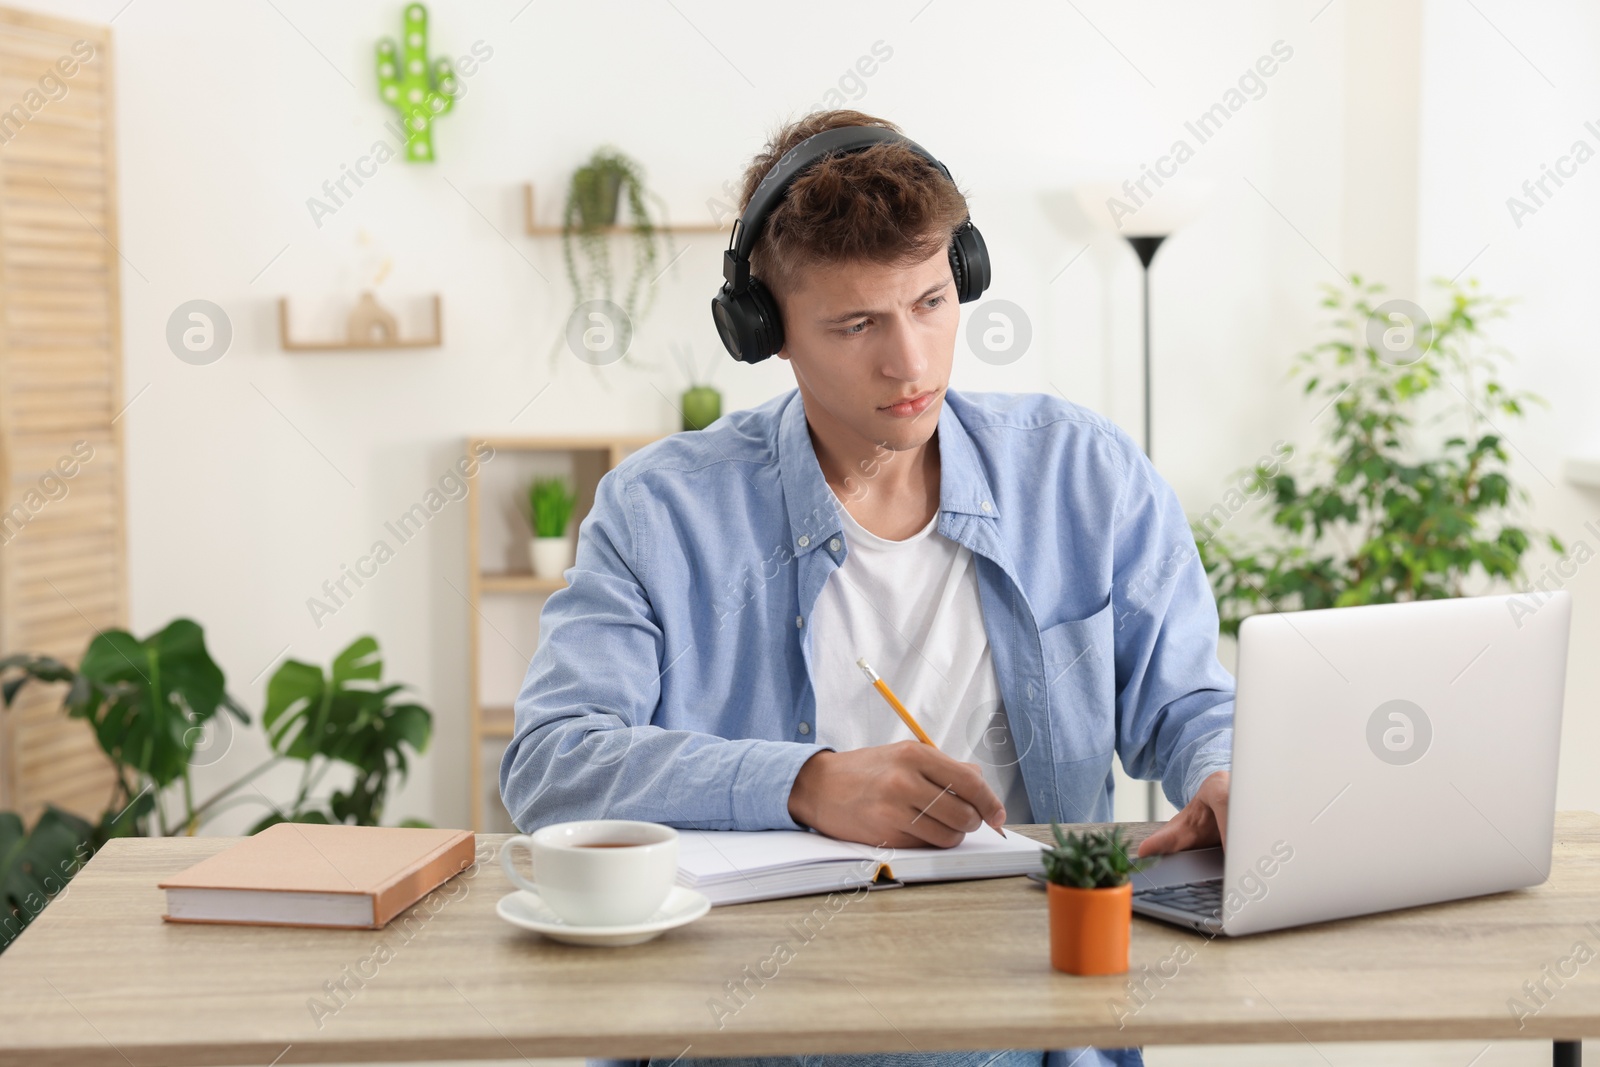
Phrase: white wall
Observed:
(1500, 100)
(253, 479)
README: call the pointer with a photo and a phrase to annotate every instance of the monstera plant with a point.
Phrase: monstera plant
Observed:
(159, 708)
(344, 717)
(149, 703)
(35, 866)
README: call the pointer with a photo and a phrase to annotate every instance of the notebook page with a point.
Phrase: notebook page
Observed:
(715, 856)
(980, 855)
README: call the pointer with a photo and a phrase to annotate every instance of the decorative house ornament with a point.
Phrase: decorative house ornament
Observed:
(368, 326)
(371, 324)
(411, 88)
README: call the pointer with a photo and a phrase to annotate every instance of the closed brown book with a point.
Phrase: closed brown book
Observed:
(305, 874)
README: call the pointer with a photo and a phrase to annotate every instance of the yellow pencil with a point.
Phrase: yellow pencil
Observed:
(900, 709)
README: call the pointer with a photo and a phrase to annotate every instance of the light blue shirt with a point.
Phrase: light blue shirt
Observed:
(673, 677)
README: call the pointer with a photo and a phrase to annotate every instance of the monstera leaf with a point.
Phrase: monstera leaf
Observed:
(35, 866)
(349, 716)
(148, 701)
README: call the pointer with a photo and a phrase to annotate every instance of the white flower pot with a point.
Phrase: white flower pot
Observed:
(551, 556)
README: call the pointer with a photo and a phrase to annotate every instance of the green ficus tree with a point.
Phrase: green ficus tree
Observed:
(1411, 496)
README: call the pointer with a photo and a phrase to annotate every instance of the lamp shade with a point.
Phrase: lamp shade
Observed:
(1125, 209)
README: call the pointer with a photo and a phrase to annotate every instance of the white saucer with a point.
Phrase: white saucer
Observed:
(528, 911)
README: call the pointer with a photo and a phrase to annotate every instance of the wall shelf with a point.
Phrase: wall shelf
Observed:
(346, 345)
(536, 230)
(519, 582)
(1584, 471)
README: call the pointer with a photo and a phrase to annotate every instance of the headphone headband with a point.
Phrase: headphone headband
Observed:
(745, 311)
(747, 230)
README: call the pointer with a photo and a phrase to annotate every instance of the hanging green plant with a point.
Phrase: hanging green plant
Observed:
(587, 224)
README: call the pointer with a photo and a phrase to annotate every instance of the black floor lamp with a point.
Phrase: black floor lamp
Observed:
(1145, 246)
(1145, 224)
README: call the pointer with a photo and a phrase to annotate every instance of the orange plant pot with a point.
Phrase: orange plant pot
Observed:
(1090, 929)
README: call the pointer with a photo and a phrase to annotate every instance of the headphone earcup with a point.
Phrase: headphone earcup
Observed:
(969, 262)
(748, 323)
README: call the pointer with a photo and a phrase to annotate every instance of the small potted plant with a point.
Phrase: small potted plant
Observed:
(1091, 900)
(550, 503)
(701, 403)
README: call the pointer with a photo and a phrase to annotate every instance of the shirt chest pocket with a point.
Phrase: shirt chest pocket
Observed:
(1080, 684)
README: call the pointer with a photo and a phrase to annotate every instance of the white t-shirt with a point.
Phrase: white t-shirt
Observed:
(911, 608)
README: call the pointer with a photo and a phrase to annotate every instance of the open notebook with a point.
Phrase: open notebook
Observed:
(735, 866)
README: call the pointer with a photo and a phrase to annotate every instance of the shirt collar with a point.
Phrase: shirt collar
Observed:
(813, 511)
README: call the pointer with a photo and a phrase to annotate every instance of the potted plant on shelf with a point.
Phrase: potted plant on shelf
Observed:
(701, 404)
(1091, 900)
(591, 209)
(550, 504)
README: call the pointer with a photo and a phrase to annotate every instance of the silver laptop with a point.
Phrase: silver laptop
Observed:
(1383, 757)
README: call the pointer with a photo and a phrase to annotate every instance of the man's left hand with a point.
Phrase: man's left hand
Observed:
(1203, 823)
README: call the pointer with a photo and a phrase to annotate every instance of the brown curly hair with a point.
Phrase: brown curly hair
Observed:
(883, 204)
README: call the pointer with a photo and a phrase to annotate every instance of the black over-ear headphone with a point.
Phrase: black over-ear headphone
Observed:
(745, 312)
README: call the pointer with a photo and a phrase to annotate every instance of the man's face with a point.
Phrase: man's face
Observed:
(871, 347)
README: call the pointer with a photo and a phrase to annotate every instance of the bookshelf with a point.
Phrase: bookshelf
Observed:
(504, 595)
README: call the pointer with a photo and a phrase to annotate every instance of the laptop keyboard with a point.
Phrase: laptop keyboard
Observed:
(1198, 898)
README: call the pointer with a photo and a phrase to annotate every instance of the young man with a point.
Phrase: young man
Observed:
(1011, 564)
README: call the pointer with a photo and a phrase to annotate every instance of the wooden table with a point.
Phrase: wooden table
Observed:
(100, 979)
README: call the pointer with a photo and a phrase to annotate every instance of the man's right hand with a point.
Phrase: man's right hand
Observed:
(903, 795)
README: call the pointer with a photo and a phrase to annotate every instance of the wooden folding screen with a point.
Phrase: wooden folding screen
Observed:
(63, 574)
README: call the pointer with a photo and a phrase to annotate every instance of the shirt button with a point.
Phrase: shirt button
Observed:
(804, 541)
(985, 506)
(834, 544)
(805, 728)
(799, 621)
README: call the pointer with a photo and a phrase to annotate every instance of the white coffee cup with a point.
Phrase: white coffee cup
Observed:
(598, 872)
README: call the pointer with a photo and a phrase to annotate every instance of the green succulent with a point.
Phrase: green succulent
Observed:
(1094, 859)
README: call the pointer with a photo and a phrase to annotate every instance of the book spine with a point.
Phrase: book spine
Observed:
(412, 886)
